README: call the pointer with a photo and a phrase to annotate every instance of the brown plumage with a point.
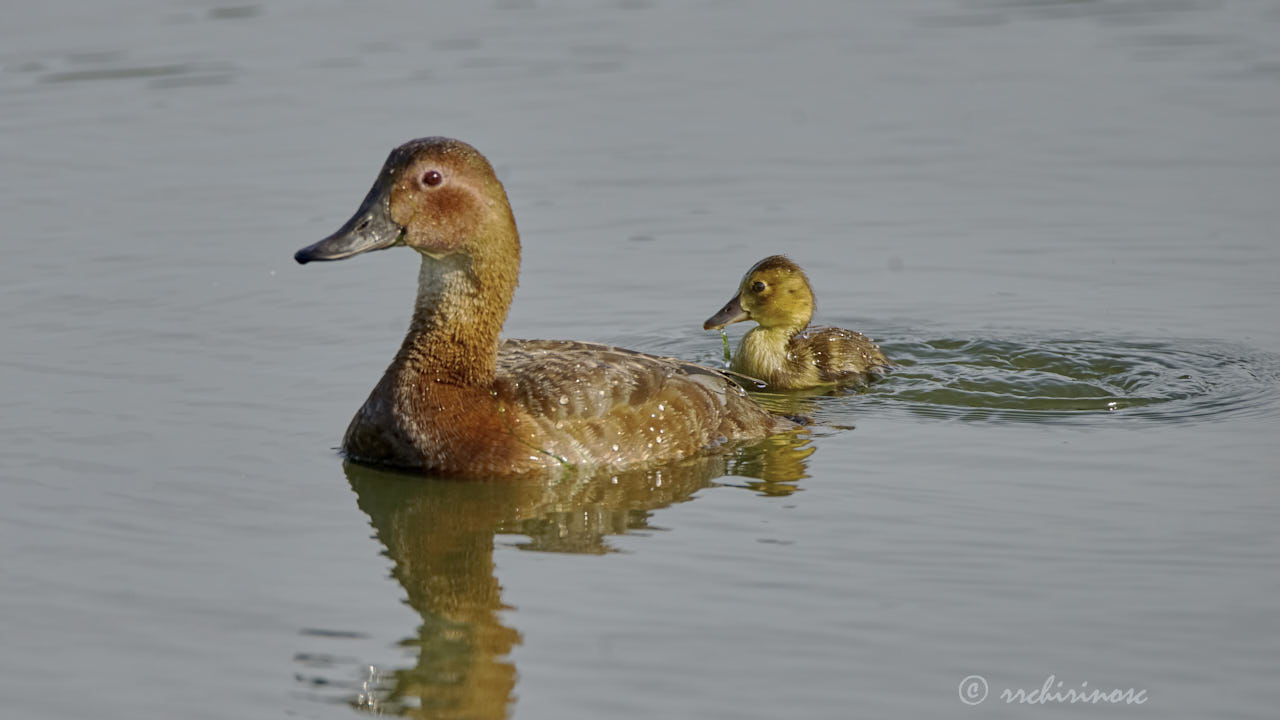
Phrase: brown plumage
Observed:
(456, 400)
(783, 351)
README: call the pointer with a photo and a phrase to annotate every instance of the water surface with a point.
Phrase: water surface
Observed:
(1058, 217)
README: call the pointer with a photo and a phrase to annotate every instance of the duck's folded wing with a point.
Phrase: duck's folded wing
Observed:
(586, 402)
(841, 355)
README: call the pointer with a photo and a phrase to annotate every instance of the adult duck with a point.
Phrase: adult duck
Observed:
(458, 400)
(783, 351)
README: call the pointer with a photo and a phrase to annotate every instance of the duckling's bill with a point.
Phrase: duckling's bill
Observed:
(371, 228)
(731, 313)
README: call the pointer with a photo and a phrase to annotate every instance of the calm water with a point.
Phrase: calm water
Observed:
(1059, 217)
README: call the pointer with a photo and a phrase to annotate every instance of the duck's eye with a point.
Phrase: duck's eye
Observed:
(758, 286)
(432, 178)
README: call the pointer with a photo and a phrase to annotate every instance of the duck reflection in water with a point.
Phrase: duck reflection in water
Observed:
(440, 537)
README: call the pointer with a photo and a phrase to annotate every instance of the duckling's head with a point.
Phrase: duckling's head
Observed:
(775, 293)
(436, 195)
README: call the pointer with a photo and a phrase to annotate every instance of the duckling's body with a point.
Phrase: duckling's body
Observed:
(812, 357)
(457, 400)
(783, 351)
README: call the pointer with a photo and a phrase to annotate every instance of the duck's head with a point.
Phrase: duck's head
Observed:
(436, 195)
(775, 293)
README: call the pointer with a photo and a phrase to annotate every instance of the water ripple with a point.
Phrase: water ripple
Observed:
(1072, 380)
(989, 378)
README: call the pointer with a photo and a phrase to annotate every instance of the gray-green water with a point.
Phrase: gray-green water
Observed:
(1059, 218)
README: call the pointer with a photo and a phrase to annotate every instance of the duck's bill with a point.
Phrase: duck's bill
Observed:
(731, 313)
(371, 228)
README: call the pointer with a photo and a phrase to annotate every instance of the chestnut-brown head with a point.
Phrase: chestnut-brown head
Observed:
(775, 293)
(436, 195)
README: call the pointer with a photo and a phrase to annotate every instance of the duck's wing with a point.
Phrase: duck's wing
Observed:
(841, 355)
(591, 403)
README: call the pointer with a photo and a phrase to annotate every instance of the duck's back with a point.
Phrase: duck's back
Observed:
(838, 355)
(577, 402)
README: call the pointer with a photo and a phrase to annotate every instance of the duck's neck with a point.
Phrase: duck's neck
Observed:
(462, 303)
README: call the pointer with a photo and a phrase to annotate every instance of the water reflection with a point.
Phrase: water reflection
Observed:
(440, 536)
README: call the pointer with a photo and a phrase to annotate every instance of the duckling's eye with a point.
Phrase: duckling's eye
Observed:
(432, 178)
(758, 286)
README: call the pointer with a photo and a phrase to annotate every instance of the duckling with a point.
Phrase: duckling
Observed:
(783, 351)
(457, 400)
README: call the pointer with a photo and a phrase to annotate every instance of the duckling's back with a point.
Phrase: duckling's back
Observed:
(837, 355)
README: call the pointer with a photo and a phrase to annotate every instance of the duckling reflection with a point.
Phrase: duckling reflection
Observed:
(440, 536)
